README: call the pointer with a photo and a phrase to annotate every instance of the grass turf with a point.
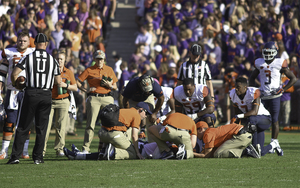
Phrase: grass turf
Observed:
(269, 171)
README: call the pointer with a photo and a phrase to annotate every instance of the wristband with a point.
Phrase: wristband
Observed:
(112, 87)
(240, 116)
(67, 86)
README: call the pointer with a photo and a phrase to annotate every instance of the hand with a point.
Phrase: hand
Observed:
(233, 119)
(193, 116)
(277, 91)
(142, 135)
(152, 118)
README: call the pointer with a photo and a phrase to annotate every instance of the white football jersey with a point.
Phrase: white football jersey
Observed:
(245, 104)
(270, 76)
(13, 56)
(195, 103)
(165, 108)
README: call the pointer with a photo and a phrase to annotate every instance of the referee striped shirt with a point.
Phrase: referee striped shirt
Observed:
(199, 72)
(40, 68)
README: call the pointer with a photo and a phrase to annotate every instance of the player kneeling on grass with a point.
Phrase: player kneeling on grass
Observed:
(248, 108)
(118, 144)
(227, 141)
(179, 129)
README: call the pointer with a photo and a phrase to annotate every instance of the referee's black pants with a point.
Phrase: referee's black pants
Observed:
(36, 104)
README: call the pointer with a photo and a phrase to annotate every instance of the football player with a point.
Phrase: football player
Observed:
(270, 68)
(196, 101)
(10, 57)
(247, 105)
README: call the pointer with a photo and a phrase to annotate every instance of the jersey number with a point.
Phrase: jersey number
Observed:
(192, 106)
(268, 74)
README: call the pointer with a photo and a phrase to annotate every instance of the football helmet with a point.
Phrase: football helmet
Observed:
(269, 51)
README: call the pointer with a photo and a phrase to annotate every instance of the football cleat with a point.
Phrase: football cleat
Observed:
(110, 152)
(60, 154)
(13, 161)
(75, 149)
(251, 151)
(3, 155)
(277, 148)
(166, 155)
(258, 149)
(71, 155)
(181, 152)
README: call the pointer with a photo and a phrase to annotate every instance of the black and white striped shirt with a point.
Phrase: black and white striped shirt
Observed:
(40, 68)
(199, 71)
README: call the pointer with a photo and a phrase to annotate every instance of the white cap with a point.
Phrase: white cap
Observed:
(172, 65)
(226, 28)
(157, 48)
(178, 6)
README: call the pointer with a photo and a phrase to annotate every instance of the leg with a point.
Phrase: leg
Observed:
(93, 107)
(62, 120)
(153, 134)
(25, 116)
(234, 146)
(49, 126)
(41, 121)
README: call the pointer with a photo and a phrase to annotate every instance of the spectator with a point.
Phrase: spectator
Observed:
(93, 26)
(158, 56)
(85, 55)
(63, 12)
(57, 34)
(71, 20)
(4, 7)
(52, 11)
(144, 38)
(82, 13)
(76, 39)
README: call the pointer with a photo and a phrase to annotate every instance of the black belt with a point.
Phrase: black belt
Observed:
(61, 98)
(100, 95)
(242, 131)
(177, 128)
(31, 88)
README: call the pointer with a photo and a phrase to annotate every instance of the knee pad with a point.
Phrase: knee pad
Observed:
(8, 127)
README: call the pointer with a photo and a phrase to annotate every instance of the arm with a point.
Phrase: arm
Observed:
(135, 138)
(210, 87)
(171, 103)
(158, 105)
(80, 86)
(14, 75)
(193, 140)
(57, 80)
(210, 107)
(126, 102)
(72, 87)
(291, 76)
(208, 152)
(253, 77)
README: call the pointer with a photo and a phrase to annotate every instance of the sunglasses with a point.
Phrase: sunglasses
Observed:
(144, 111)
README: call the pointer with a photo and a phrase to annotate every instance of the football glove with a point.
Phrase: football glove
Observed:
(277, 91)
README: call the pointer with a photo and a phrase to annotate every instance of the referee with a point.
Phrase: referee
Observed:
(41, 70)
(196, 68)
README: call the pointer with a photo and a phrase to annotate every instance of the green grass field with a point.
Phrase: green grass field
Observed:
(269, 171)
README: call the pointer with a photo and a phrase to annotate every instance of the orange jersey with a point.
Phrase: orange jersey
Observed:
(215, 137)
(76, 38)
(94, 74)
(66, 74)
(92, 32)
(181, 121)
(129, 118)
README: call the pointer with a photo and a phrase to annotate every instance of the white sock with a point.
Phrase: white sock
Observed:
(273, 139)
(25, 149)
(273, 145)
(5, 145)
(80, 156)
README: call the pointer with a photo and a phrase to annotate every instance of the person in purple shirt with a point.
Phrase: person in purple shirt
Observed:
(289, 40)
(82, 13)
(217, 50)
(158, 56)
(85, 56)
(126, 75)
(165, 42)
(176, 18)
(188, 15)
(241, 37)
(213, 65)
(256, 30)
(104, 9)
(285, 107)
(206, 9)
(249, 51)
(64, 11)
(184, 46)
(232, 51)
(71, 20)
